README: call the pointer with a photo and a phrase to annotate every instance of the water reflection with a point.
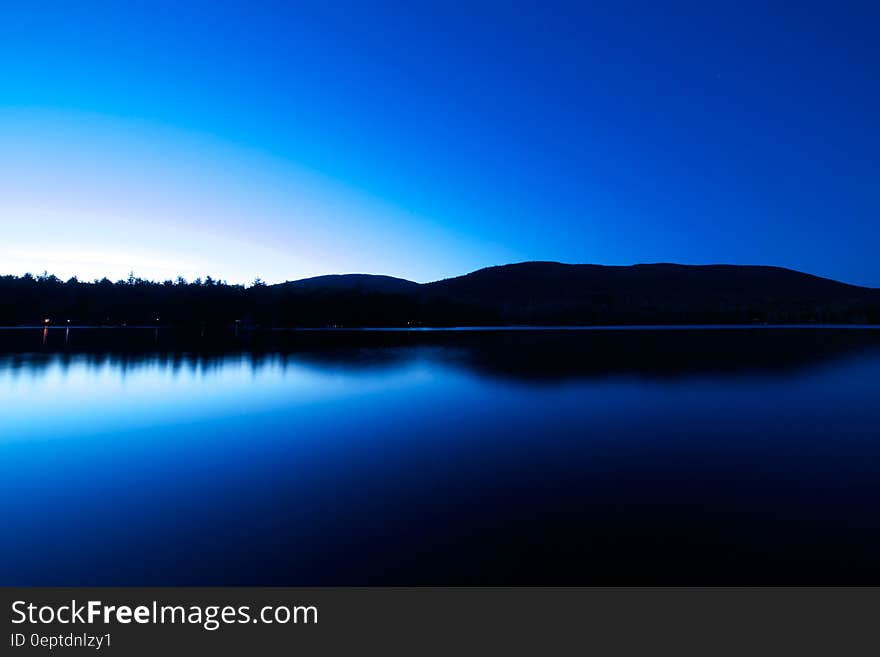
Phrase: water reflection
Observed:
(667, 457)
(537, 356)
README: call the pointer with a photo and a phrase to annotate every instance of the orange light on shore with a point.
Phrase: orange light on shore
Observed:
(47, 321)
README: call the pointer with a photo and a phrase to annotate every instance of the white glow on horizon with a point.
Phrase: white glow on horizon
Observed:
(93, 196)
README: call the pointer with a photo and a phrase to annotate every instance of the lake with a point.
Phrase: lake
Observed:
(725, 456)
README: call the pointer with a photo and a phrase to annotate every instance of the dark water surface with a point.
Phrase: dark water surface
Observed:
(602, 457)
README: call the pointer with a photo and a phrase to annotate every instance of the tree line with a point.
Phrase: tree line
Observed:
(526, 300)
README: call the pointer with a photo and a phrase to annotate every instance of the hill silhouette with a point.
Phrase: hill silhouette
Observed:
(367, 283)
(552, 292)
(529, 293)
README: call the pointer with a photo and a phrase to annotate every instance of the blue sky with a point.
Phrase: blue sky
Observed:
(424, 140)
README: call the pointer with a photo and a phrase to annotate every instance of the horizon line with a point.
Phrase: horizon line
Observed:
(179, 279)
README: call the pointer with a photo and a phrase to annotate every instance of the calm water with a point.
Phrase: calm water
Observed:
(614, 457)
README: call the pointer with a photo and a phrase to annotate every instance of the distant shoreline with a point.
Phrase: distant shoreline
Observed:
(518, 296)
(440, 329)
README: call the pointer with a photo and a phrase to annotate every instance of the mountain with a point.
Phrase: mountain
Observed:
(528, 293)
(367, 283)
(337, 299)
(545, 293)
(552, 292)
(554, 279)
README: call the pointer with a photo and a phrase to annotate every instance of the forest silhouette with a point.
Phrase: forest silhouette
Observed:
(533, 293)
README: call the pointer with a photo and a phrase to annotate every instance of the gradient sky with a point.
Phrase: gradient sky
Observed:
(424, 140)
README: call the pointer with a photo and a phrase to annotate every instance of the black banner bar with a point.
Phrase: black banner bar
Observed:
(412, 621)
